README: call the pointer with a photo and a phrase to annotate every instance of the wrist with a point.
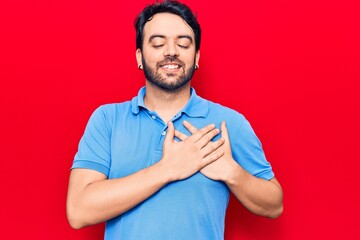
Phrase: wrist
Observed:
(164, 172)
(234, 174)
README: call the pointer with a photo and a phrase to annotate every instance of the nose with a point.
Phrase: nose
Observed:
(171, 50)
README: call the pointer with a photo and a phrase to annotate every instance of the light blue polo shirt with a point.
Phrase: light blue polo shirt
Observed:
(123, 138)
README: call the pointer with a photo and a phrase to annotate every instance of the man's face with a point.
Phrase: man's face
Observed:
(168, 55)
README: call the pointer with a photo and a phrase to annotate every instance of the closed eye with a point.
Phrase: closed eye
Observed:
(158, 46)
(182, 46)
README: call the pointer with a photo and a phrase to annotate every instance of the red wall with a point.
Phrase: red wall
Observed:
(291, 67)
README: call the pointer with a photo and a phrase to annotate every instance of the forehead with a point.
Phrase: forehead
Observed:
(167, 24)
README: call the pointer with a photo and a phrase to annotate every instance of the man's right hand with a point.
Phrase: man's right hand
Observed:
(185, 158)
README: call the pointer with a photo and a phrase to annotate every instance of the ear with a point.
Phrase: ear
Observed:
(197, 57)
(138, 57)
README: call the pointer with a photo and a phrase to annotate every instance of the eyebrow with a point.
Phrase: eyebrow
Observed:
(156, 36)
(186, 36)
(163, 36)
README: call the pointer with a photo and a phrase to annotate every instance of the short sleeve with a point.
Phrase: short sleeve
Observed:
(247, 151)
(94, 147)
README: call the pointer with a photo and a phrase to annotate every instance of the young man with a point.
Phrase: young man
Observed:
(162, 165)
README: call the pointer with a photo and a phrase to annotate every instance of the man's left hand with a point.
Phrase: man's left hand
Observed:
(258, 195)
(223, 168)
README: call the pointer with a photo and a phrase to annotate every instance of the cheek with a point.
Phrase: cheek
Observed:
(188, 58)
(151, 58)
(190, 62)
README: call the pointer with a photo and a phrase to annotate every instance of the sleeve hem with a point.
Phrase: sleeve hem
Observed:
(268, 175)
(91, 165)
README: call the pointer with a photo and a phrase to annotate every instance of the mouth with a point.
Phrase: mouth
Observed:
(170, 66)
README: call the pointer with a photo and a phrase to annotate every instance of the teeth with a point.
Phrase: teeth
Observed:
(170, 66)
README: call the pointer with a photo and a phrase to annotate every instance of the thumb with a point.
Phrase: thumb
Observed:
(170, 132)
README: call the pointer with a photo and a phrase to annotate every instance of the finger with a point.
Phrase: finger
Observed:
(199, 134)
(212, 146)
(170, 132)
(190, 127)
(224, 131)
(202, 142)
(218, 153)
(180, 135)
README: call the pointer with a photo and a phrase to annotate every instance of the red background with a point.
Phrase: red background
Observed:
(291, 67)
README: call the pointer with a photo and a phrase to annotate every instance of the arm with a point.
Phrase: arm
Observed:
(261, 197)
(93, 199)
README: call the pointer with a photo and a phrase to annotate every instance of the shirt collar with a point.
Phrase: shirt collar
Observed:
(138, 101)
(195, 107)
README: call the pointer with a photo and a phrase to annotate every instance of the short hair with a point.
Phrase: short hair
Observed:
(167, 6)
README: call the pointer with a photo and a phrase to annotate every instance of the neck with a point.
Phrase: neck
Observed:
(166, 104)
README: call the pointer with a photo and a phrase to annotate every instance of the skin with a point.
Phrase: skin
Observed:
(259, 196)
(92, 198)
(178, 41)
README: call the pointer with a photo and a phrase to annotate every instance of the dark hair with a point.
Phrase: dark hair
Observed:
(167, 6)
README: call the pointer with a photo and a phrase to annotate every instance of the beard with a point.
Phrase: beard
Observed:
(155, 78)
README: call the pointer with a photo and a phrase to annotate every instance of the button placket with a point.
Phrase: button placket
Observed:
(161, 138)
(176, 116)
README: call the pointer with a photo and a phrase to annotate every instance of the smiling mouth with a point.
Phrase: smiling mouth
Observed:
(170, 66)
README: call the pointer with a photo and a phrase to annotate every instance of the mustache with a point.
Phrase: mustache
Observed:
(170, 59)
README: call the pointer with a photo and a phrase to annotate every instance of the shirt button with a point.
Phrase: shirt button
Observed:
(163, 133)
(153, 117)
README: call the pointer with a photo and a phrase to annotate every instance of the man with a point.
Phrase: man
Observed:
(162, 165)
